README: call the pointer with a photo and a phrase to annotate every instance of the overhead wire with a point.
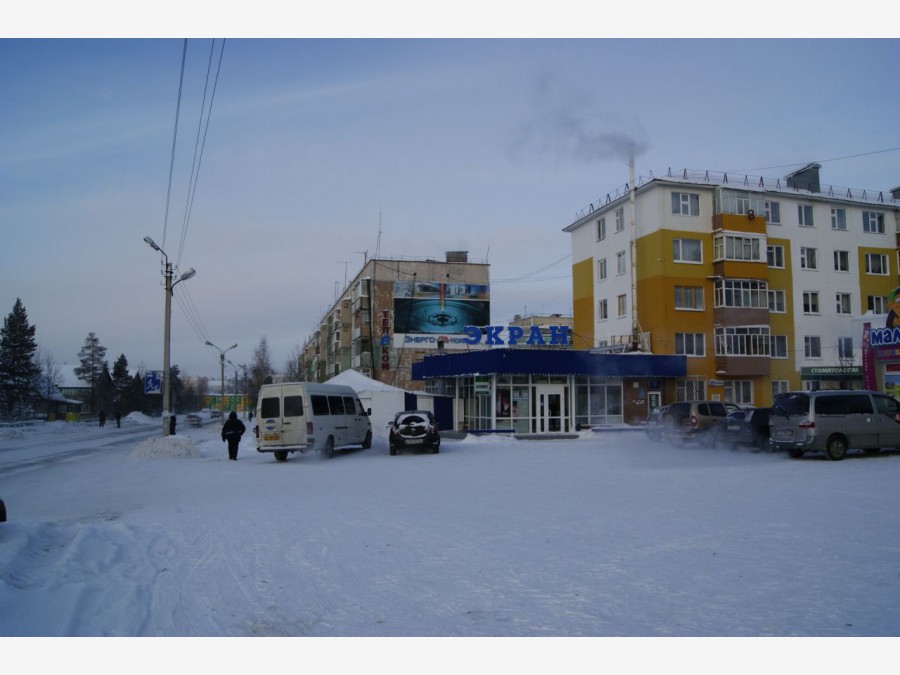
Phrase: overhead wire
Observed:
(174, 142)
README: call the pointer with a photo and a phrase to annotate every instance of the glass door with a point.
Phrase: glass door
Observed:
(551, 410)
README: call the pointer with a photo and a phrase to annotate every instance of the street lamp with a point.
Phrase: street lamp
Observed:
(169, 284)
(221, 371)
(236, 392)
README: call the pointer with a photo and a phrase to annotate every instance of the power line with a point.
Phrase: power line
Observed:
(819, 161)
(174, 140)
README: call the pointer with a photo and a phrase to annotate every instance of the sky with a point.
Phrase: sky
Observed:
(605, 538)
(310, 155)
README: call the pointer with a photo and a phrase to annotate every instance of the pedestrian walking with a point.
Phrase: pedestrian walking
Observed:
(232, 431)
(172, 425)
(102, 418)
(118, 419)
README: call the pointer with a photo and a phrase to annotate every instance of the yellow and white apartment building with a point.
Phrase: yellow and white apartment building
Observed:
(762, 284)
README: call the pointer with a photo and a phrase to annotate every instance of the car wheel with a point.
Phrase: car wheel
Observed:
(368, 442)
(836, 448)
(328, 451)
(281, 455)
(435, 449)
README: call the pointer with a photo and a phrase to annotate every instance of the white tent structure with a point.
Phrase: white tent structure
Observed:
(384, 400)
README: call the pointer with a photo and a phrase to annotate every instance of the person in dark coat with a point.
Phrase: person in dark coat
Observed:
(172, 425)
(102, 418)
(232, 431)
(118, 419)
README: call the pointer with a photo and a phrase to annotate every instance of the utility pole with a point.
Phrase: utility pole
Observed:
(221, 372)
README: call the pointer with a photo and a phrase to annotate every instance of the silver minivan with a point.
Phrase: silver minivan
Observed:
(834, 421)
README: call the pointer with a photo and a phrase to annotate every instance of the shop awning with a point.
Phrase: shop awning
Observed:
(549, 362)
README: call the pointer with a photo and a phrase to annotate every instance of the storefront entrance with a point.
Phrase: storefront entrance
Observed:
(551, 415)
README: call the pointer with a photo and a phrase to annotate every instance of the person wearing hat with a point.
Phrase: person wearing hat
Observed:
(232, 431)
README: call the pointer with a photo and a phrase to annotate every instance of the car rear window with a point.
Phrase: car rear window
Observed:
(293, 406)
(270, 407)
(792, 404)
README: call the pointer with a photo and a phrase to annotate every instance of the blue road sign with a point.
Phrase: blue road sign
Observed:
(153, 382)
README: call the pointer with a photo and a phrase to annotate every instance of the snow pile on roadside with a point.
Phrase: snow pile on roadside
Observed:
(141, 418)
(167, 446)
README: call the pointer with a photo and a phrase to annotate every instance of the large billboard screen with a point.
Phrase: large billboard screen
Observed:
(438, 307)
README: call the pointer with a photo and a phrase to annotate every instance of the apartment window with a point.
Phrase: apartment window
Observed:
(685, 204)
(808, 258)
(810, 302)
(688, 297)
(812, 347)
(873, 222)
(741, 293)
(601, 269)
(805, 215)
(778, 346)
(877, 304)
(690, 344)
(620, 262)
(732, 247)
(838, 219)
(845, 348)
(690, 390)
(775, 256)
(620, 302)
(687, 250)
(842, 303)
(777, 301)
(601, 229)
(780, 387)
(742, 341)
(620, 219)
(876, 263)
(602, 310)
(841, 261)
(739, 391)
(773, 213)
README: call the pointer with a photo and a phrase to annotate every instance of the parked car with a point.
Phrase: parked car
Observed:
(416, 429)
(744, 427)
(193, 420)
(688, 419)
(833, 421)
(655, 423)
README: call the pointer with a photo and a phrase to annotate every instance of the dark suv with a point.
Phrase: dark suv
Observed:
(686, 419)
(415, 429)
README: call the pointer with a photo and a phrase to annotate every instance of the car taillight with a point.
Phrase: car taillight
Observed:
(309, 428)
(807, 425)
(694, 421)
(256, 430)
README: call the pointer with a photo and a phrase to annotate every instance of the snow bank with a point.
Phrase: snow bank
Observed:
(167, 446)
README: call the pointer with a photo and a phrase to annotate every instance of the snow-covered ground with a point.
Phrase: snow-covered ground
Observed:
(121, 532)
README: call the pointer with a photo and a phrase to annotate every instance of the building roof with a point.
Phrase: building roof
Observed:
(360, 382)
(549, 362)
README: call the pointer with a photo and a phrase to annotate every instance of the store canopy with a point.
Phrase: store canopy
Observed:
(549, 362)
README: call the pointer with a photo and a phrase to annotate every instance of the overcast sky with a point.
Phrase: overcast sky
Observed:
(321, 153)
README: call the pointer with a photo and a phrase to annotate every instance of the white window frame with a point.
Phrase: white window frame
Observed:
(739, 391)
(689, 298)
(601, 228)
(622, 305)
(621, 263)
(777, 301)
(780, 387)
(811, 302)
(842, 261)
(845, 347)
(873, 222)
(812, 346)
(620, 219)
(779, 348)
(877, 304)
(773, 213)
(741, 293)
(838, 219)
(744, 248)
(843, 303)
(775, 256)
(883, 261)
(749, 341)
(805, 215)
(601, 269)
(690, 389)
(808, 258)
(691, 344)
(602, 310)
(678, 251)
(685, 203)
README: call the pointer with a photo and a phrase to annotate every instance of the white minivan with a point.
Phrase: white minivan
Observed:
(305, 416)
